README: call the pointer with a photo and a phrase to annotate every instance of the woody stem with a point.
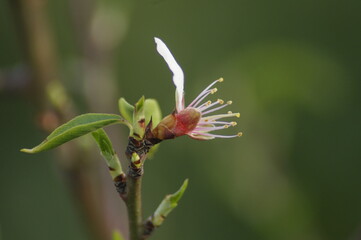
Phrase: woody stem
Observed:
(134, 205)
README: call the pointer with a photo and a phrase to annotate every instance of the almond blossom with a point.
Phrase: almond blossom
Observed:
(194, 120)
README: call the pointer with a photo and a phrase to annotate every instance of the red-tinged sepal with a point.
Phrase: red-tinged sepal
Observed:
(186, 121)
(177, 124)
(164, 130)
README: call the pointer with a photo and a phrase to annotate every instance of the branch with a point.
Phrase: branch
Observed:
(32, 22)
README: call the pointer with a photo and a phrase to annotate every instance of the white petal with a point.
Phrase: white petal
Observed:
(178, 76)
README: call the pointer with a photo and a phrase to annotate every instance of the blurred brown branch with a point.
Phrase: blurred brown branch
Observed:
(80, 169)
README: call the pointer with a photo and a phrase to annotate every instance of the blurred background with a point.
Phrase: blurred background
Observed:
(292, 69)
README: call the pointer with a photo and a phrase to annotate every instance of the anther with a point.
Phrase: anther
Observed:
(220, 80)
(226, 126)
(214, 90)
(238, 115)
(208, 103)
(239, 134)
(233, 124)
(229, 112)
(229, 102)
(220, 101)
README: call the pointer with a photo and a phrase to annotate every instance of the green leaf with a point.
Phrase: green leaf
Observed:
(139, 105)
(152, 111)
(167, 205)
(117, 235)
(76, 127)
(108, 153)
(126, 109)
(175, 197)
(104, 143)
(139, 119)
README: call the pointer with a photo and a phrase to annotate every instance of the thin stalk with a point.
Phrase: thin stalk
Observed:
(134, 205)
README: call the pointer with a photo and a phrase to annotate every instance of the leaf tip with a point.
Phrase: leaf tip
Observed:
(185, 184)
(175, 197)
(26, 150)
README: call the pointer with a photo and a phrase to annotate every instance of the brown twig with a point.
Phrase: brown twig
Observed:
(134, 205)
(136, 153)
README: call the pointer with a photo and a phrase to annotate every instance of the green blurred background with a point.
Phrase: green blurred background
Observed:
(292, 69)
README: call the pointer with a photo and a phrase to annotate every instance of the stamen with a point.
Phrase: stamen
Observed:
(206, 122)
(209, 129)
(205, 91)
(217, 136)
(218, 116)
(237, 114)
(204, 105)
(212, 91)
(229, 102)
(215, 109)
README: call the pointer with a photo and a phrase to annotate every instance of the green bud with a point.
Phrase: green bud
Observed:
(139, 119)
(152, 111)
(140, 115)
(108, 153)
(139, 105)
(135, 159)
(126, 110)
(167, 205)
